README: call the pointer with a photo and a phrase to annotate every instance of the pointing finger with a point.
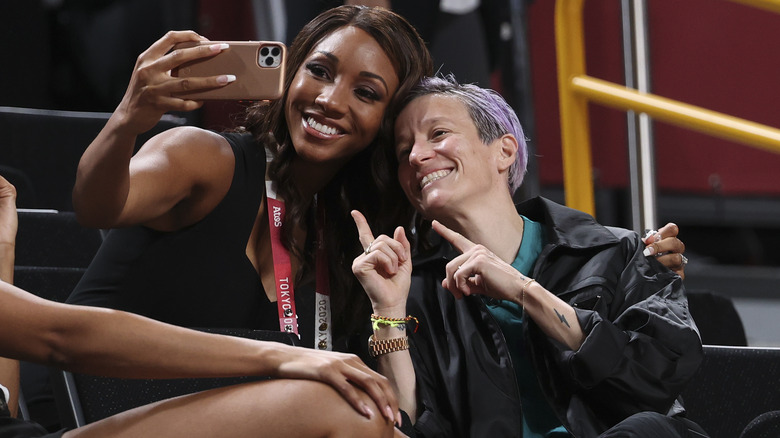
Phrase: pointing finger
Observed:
(364, 230)
(457, 240)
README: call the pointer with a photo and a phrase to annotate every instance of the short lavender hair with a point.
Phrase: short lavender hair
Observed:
(491, 114)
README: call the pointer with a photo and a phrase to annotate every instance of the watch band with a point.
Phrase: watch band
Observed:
(378, 347)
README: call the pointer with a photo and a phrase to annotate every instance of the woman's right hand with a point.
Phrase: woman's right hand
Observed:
(181, 167)
(384, 269)
(344, 372)
(152, 89)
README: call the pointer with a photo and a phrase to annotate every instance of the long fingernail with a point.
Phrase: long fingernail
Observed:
(389, 412)
(216, 48)
(399, 421)
(225, 79)
(648, 251)
(369, 413)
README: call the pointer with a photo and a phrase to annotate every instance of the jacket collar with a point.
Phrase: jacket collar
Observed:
(565, 226)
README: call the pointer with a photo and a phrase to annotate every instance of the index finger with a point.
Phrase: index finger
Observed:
(182, 54)
(365, 234)
(170, 39)
(460, 242)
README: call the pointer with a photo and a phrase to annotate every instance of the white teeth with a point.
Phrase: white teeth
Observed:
(328, 130)
(433, 176)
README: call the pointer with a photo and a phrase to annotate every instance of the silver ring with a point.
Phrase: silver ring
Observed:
(368, 248)
(684, 260)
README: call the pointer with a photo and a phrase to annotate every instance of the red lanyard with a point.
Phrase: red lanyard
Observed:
(285, 290)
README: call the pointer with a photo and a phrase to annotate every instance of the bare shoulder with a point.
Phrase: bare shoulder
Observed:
(187, 140)
(205, 156)
(190, 169)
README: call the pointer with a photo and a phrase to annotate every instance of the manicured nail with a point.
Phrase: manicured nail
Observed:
(369, 413)
(225, 79)
(650, 250)
(389, 412)
(399, 420)
(219, 47)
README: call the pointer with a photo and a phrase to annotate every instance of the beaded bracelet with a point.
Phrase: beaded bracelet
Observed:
(376, 320)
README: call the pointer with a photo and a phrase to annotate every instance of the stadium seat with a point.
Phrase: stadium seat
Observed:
(734, 386)
(717, 318)
(44, 146)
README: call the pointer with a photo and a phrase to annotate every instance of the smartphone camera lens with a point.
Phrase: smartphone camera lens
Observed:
(270, 56)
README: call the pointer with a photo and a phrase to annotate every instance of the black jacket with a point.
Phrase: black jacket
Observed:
(641, 344)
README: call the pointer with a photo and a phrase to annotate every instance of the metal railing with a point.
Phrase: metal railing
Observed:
(576, 89)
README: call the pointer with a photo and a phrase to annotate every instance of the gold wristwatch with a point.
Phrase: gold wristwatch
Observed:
(378, 347)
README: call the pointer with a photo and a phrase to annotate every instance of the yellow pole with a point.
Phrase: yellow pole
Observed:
(575, 127)
(575, 89)
(678, 113)
(769, 5)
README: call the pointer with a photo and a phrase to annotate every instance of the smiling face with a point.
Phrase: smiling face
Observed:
(443, 166)
(338, 97)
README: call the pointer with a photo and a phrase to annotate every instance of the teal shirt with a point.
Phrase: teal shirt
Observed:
(539, 420)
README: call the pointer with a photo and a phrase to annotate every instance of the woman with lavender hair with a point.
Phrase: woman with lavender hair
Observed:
(537, 321)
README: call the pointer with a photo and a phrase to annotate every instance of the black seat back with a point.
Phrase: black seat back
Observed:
(733, 386)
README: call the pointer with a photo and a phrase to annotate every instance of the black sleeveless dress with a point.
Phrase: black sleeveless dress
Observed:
(199, 276)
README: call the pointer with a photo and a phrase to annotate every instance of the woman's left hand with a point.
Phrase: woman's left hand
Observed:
(478, 270)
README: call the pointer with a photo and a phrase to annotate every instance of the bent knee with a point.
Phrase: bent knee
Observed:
(333, 413)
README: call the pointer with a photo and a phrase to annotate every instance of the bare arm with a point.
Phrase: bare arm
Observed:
(8, 226)
(118, 344)
(385, 273)
(109, 191)
(175, 179)
(397, 366)
(554, 316)
(9, 368)
(104, 341)
(113, 343)
(479, 271)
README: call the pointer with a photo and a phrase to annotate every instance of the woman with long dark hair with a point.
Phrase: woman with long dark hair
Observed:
(203, 232)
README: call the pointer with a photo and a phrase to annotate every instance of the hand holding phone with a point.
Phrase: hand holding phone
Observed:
(257, 65)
